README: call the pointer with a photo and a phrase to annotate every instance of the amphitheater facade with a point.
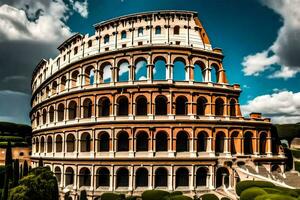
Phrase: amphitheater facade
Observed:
(144, 103)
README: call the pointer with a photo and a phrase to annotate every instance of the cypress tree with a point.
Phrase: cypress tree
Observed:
(16, 175)
(21, 172)
(55, 190)
(41, 162)
(25, 170)
(82, 195)
(8, 171)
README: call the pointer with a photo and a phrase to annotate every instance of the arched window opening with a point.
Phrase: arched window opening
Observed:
(123, 35)
(176, 30)
(104, 107)
(123, 72)
(54, 87)
(142, 141)
(234, 142)
(276, 168)
(44, 116)
(106, 73)
(141, 106)
(75, 79)
(123, 142)
(69, 176)
(87, 108)
(182, 142)
(37, 145)
(219, 107)
(89, 75)
(75, 50)
(160, 69)
(262, 143)
(90, 43)
(58, 144)
(161, 177)
(140, 31)
(232, 108)
(42, 145)
(60, 112)
(219, 142)
(202, 141)
(157, 30)
(72, 110)
(161, 141)
(141, 178)
(102, 177)
(179, 70)
(222, 178)
(201, 106)
(38, 119)
(106, 39)
(182, 177)
(141, 70)
(122, 178)
(84, 177)
(70, 143)
(248, 150)
(161, 104)
(201, 177)
(198, 72)
(214, 73)
(85, 142)
(57, 173)
(51, 114)
(103, 142)
(63, 82)
(181, 105)
(49, 144)
(123, 106)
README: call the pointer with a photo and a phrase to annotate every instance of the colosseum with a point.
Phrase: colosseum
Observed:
(144, 103)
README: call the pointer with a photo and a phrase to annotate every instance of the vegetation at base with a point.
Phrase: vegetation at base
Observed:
(209, 197)
(260, 190)
(297, 166)
(288, 131)
(296, 153)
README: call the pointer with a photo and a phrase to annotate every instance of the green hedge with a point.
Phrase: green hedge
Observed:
(209, 197)
(275, 197)
(243, 185)
(297, 166)
(296, 153)
(110, 196)
(154, 194)
(177, 197)
(271, 190)
(133, 197)
(252, 193)
(225, 198)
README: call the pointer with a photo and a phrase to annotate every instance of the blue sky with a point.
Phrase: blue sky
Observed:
(250, 32)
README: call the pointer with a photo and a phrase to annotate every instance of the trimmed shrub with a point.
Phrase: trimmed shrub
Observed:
(110, 196)
(251, 193)
(241, 186)
(176, 193)
(154, 194)
(296, 153)
(179, 197)
(133, 197)
(225, 198)
(288, 191)
(275, 197)
(209, 197)
(271, 190)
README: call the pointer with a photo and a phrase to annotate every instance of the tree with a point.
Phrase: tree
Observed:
(82, 195)
(41, 164)
(25, 170)
(16, 171)
(8, 171)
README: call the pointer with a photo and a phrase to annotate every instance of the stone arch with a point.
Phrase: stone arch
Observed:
(49, 144)
(51, 114)
(248, 146)
(60, 112)
(57, 173)
(160, 68)
(38, 118)
(104, 107)
(54, 87)
(69, 175)
(72, 110)
(182, 177)
(276, 168)
(106, 72)
(44, 116)
(176, 30)
(161, 141)
(63, 83)
(84, 177)
(214, 73)
(219, 142)
(37, 145)
(42, 144)
(103, 141)
(102, 177)
(181, 105)
(123, 141)
(70, 142)
(222, 177)
(89, 75)
(235, 143)
(87, 108)
(201, 177)
(123, 106)
(199, 69)
(161, 105)
(141, 69)
(141, 177)
(141, 105)
(85, 142)
(263, 143)
(201, 106)
(123, 71)
(219, 107)
(202, 141)
(122, 177)
(75, 79)
(58, 143)
(142, 140)
(182, 142)
(179, 69)
(161, 177)
(232, 108)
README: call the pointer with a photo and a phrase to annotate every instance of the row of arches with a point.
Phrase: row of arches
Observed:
(142, 176)
(236, 144)
(142, 108)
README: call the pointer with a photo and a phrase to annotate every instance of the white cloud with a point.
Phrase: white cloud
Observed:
(285, 49)
(81, 7)
(281, 107)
